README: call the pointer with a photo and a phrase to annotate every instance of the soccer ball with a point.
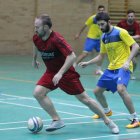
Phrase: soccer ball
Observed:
(35, 124)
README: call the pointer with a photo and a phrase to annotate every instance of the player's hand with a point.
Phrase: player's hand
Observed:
(77, 36)
(126, 65)
(83, 64)
(56, 78)
(36, 64)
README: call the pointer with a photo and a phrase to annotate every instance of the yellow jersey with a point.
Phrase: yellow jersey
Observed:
(94, 31)
(117, 45)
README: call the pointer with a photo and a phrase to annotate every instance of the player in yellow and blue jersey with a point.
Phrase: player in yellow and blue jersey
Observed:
(116, 43)
(92, 41)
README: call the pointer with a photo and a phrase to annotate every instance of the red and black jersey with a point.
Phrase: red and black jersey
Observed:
(133, 29)
(53, 51)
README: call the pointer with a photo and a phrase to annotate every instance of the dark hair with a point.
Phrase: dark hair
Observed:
(46, 20)
(102, 16)
(101, 6)
(130, 11)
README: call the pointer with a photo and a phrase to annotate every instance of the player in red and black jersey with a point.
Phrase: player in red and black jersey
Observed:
(132, 26)
(58, 57)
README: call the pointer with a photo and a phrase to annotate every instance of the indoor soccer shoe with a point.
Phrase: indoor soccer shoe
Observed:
(107, 114)
(55, 125)
(133, 124)
(113, 127)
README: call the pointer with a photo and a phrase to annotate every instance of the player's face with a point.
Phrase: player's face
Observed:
(104, 26)
(39, 28)
(131, 17)
(101, 10)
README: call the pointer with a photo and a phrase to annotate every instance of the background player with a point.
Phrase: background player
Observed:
(132, 26)
(116, 43)
(92, 41)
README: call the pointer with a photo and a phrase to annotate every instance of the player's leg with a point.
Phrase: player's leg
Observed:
(83, 55)
(121, 88)
(71, 84)
(44, 86)
(94, 107)
(88, 47)
(134, 68)
(99, 94)
(129, 105)
(104, 83)
(99, 64)
(40, 93)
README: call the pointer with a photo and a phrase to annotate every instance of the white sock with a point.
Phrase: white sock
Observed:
(106, 110)
(134, 116)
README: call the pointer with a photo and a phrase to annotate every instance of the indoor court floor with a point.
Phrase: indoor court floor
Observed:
(17, 105)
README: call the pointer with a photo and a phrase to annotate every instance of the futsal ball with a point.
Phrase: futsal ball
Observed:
(35, 124)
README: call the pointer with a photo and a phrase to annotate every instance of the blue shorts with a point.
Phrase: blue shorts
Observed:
(111, 78)
(91, 44)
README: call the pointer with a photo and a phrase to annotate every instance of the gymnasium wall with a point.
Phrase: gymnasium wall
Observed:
(17, 19)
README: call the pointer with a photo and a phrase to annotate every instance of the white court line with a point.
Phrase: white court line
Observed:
(30, 98)
(18, 122)
(90, 122)
(124, 134)
(20, 97)
(28, 106)
(8, 99)
(66, 104)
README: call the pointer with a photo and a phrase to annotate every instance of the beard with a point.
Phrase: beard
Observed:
(42, 34)
(130, 21)
(106, 29)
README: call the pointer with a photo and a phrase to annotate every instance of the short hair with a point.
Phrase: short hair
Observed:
(101, 6)
(103, 16)
(46, 20)
(130, 11)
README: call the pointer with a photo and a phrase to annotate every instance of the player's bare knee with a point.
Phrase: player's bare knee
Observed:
(96, 92)
(120, 89)
(37, 94)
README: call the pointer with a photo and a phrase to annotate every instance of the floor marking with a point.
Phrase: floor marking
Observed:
(98, 137)
(22, 105)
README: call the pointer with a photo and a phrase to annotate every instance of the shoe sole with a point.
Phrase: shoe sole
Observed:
(108, 115)
(53, 129)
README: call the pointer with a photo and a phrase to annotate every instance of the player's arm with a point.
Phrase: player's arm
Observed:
(70, 59)
(129, 41)
(35, 63)
(136, 37)
(98, 58)
(137, 32)
(78, 34)
(134, 51)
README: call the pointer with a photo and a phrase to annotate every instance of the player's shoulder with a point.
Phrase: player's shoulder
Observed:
(57, 36)
(122, 23)
(92, 17)
(136, 22)
(120, 29)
